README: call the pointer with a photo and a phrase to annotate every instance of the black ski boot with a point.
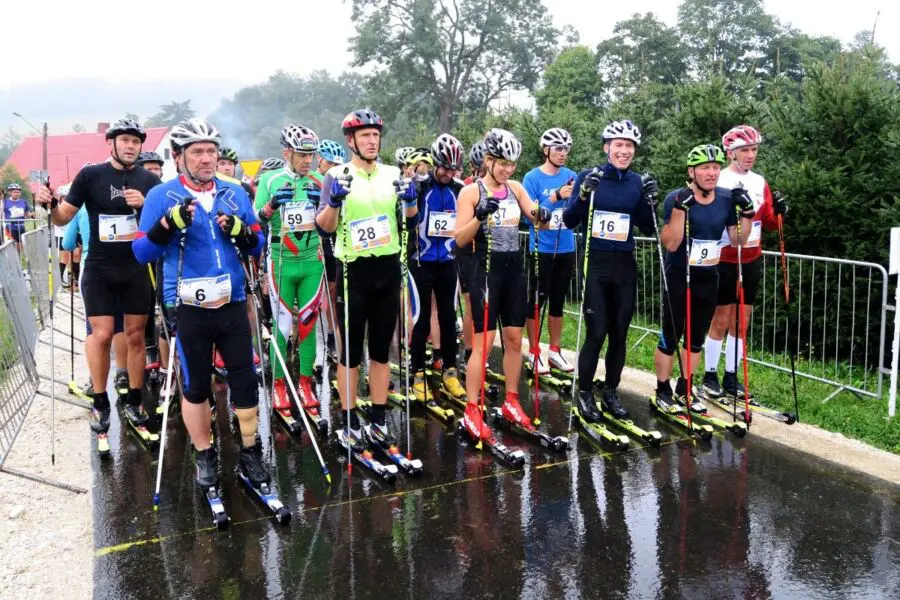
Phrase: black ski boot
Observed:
(681, 395)
(613, 405)
(711, 385)
(251, 464)
(121, 382)
(207, 475)
(99, 419)
(134, 411)
(587, 406)
(733, 387)
(664, 398)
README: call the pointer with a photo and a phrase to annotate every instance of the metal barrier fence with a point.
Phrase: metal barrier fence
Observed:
(34, 251)
(838, 318)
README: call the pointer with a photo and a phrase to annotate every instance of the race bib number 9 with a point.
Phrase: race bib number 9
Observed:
(704, 253)
(373, 232)
(117, 228)
(206, 292)
(299, 217)
(611, 226)
(508, 214)
(441, 224)
(556, 220)
(755, 236)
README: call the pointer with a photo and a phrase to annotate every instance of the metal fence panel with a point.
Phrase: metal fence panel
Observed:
(34, 249)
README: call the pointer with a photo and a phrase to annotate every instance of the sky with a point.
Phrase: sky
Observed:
(187, 42)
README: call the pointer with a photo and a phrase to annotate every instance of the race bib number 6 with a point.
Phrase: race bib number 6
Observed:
(117, 228)
(373, 232)
(206, 292)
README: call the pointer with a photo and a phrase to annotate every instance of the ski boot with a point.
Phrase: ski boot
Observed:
(513, 412)
(251, 465)
(557, 361)
(355, 438)
(587, 406)
(418, 387)
(308, 396)
(450, 378)
(542, 367)
(732, 387)
(99, 419)
(681, 396)
(207, 474)
(612, 404)
(280, 401)
(136, 414)
(380, 434)
(664, 398)
(711, 387)
(120, 382)
(474, 424)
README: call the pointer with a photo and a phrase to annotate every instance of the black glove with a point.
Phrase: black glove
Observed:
(179, 217)
(240, 232)
(281, 196)
(483, 211)
(649, 187)
(779, 203)
(742, 200)
(542, 214)
(590, 183)
(685, 199)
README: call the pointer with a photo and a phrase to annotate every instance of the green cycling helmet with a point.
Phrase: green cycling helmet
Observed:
(705, 153)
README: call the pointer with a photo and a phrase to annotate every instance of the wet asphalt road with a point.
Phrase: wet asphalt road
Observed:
(724, 519)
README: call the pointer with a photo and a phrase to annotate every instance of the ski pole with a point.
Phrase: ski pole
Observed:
(345, 233)
(687, 318)
(537, 332)
(486, 314)
(50, 267)
(740, 330)
(787, 302)
(404, 298)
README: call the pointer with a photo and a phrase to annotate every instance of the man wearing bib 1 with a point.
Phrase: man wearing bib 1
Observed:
(287, 199)
(706, 212)
(432, 266)
(488, 213)
(359, 202)
(618, 200)
(551, 185)
(741, 144)
(112, 280)
(199, 225)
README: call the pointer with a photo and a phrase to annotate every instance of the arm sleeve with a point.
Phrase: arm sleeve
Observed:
(767, 211)
(575, 210)
(144, 250)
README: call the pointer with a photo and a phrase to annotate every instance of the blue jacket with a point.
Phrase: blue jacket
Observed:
(208, 251)
(80, 224)
(434, 197)
(618, 192)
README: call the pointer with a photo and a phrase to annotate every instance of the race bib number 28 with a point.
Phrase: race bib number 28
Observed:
(373, 232)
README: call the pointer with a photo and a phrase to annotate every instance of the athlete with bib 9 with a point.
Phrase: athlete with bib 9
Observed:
(199, 226)
(359, 202)
(488, 212)
(695, 219)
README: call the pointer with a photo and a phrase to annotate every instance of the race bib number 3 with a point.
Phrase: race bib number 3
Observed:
(117, 228)
(556, 220)
(299, 217)
(611, 226)
(441, 224)
(508, 214)
(704, 253)
(206, 292)
(755, 235)
(370, 233)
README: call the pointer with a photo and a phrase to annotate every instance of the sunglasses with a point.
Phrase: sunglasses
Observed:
(561, 149)
(504, 164)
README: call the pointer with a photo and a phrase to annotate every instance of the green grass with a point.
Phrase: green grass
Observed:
(864, 419)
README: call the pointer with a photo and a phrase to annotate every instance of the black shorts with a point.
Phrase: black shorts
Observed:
(704, 288)
(16, 231)
(728, 278)
(374, 305)
(328, 258)
(556, 274)
(228, 329)
(507, 291)
(464, 265)
(108, 290)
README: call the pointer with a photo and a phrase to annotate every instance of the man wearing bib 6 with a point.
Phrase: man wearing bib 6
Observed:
(199, 226)
(488, 213)
(359, 202)
(741, 143)
(551, 186)
(287, 198)
(112, 280)
(431, 263)
(617, 198)
(695, 218)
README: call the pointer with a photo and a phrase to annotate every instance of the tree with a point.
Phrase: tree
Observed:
(170, 114)
(447, 50)
(571, 80)
(78, 128)
(791, 53)
(8, 143)
(643, 49)
(9, 174)
(725, 36)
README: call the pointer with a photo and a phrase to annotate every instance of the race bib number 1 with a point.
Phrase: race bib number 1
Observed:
(441, 224)
(611, 226)
(117, 228)
(704, 253)
(206, 292)
(299, 217)
(373, 232)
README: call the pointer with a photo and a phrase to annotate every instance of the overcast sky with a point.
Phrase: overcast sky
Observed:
(187, 41)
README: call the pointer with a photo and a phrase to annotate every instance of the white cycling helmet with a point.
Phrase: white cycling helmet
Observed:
(622, 130)
(556, 136)
(192, 131)
(500, 143)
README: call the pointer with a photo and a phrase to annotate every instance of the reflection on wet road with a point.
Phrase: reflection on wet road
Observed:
(725, 519)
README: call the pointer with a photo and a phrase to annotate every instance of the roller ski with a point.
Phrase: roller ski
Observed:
(311, 405)
(664, 405)
(473, 429)
(431, 405)
(547, 379)
(617, 416)
(380, 437)
(207, 480)
(137, 420)
(285, 411)
(120, 382)
(356, 445)
(589, 417)
(739, 408)
(559, 366)
(513, 418)
(99, 421)
(81, 394)
(255, 477)
(701, 414)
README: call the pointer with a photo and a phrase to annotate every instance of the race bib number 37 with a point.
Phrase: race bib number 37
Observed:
(441, 224)
(508, 214)
(117, 228)
(611, 226)
(373, 232)
(206, 292)
(704, 253)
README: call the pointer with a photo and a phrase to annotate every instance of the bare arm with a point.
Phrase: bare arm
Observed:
(467, 225)
(673, 232)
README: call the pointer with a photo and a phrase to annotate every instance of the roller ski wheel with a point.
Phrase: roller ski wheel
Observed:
(220, 518)
(103, 449)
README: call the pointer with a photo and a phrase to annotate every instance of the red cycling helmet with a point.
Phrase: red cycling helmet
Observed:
(740, 136)
(361, 119)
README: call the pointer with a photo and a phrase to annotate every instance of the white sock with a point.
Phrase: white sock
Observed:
(712, 351)
(730, 343)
